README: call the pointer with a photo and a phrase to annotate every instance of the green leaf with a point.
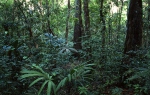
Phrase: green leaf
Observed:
(30, 75)
(54, 87)
(39, 68)
(86, 71)
(61, 83)
(49, 87)
(35, 81)
(69, 77)
(73, 50)
(42, 87)
(30, 71)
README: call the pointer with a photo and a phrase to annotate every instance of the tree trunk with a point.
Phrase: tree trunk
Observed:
(119, 20)
(86, 16)
(78, 26)
(148, 30)
(133, 40)
(67, 22)
(149, 12)
(103, 30)
(134, 29)
(102, 20)
(87, 33)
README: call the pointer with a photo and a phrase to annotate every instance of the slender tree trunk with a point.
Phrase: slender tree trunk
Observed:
(134, 29)
(102, 20)
(86, 16)
(67, 22)
(78, 26)
(119, 20)
(87, 33)
(148, 30)
(103, 30)
(110, 29)
(149, 11)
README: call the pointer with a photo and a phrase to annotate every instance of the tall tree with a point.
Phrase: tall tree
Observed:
(134, 29)
(149, 12)
(48, 17)
(103, 30)
(78, 26)
(133, 40)
(119, 18)
(86, 16)
(102, 20)
(87, 33)
(147, 25)
(67, 22)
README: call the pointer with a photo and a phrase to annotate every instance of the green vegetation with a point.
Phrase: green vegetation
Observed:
(74, 47)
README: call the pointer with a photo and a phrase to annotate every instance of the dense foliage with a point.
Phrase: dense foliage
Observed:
(38, 57)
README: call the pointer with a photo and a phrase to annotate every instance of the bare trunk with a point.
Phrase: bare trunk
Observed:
(103, 30)
(148, 30)
(102, 20)
(78, 26)
(48, 15)
(86, 16)
(67, 22)
(87, 33)
(119, 22)
(133, 40)
(134, 28)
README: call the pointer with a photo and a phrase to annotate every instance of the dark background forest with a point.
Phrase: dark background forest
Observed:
(74, 47)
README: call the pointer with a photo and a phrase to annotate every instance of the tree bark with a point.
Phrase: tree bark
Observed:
(103, 30)
(67, 22)
(87, 32)
(48, 15)
(102, 20)
(86, 16)
(148, 31)
(78, 26)
(134, 28)
(133, 40)
(119, 21)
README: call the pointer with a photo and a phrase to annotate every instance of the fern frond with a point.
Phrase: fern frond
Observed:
(42, 87)
(49, 87)
(30, 75)
(35, 81)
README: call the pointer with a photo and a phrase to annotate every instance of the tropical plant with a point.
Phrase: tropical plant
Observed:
(77, 73)
(48, 79)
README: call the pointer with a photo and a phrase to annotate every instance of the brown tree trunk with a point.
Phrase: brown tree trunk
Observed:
(149, 12)
(148, 30)
(87, 33)
(102, 20)
(78, 26)
(133, 40)
(103, 30)
(86, 16)
(67, 22)
(134, 29)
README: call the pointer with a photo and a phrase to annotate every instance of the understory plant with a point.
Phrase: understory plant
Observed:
(76, 75)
